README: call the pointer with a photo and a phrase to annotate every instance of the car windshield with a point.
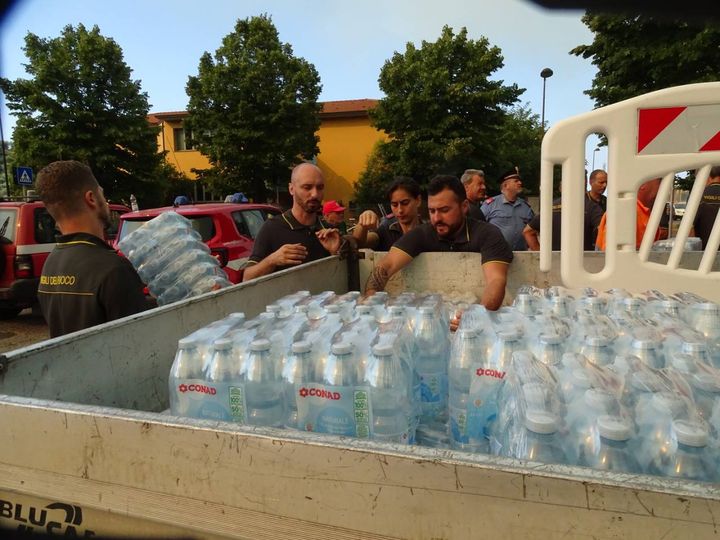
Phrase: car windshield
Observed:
(7, 223)
(202, 224)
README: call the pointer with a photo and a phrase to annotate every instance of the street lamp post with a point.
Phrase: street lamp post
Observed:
(545, 74)
(593, 162)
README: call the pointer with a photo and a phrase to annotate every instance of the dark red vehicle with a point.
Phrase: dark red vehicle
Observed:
(228, 229)
(27, 236)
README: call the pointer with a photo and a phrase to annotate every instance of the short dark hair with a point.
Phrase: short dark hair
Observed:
(715, 172)
(403, 182)
(62, 185)
(447, 181)
(595, 173)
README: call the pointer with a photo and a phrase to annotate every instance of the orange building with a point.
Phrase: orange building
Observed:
(346, 140)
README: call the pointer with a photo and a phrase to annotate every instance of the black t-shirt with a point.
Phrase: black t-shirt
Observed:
(473, 236)
(389, 232)
(593, 216)
(707, 210)
(84, 282)
(285, 229)
(475, 213)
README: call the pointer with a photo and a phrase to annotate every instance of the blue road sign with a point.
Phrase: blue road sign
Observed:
(24, 176)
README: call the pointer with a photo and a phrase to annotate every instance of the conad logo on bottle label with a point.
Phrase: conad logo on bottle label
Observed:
(197, 388)
(482, 372)
(319, 392)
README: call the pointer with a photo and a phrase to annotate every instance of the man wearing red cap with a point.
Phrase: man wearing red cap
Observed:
(334, 215)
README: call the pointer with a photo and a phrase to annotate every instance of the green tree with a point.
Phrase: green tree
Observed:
(81, 103)
(517, 145)
(441, 109)
(636, 54)
(253, 109)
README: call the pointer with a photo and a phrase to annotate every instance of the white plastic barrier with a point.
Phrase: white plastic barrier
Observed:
(650, 136)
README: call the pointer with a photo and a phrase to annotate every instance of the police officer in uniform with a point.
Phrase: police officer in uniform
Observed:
(708, 208)
(508, 212)
(298, 235)
(84, 282)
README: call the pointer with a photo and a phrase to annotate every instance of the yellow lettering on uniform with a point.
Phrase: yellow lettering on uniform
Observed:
(57, 280)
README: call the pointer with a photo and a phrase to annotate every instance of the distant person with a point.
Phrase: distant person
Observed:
(334, 215)
(508, 212)
(708, 208)
(298, 235)
(646, 195)
(598, 185)
(591, 222)
(450, 230)
(474, 182)
(405, 202)
(236, 198)
(84, 282)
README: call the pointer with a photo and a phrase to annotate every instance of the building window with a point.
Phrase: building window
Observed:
(180, 141)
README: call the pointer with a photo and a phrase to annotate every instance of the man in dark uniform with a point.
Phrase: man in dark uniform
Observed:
(84, 282)
(708, 208)
(508, 212)
(405, 201)
(298, 235)
(450, 230)
(598, 184)
(474, 182)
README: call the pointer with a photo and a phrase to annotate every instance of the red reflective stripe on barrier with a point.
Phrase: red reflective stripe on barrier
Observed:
(712, 144)
(651, 122)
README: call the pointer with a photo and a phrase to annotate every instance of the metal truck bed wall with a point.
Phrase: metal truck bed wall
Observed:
(83, 447)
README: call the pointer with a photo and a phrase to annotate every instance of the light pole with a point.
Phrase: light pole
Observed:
(593, 162)
(545, 74)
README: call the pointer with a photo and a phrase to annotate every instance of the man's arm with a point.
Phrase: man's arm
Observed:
(393, 262)
(495, 274)
(286, 255)
(121, 293)
(364, 230)
(531, 237)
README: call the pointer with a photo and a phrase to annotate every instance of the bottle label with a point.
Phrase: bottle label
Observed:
(433, 387)
(458, 424)
(482, 408)
(336, 410)
(196, 398)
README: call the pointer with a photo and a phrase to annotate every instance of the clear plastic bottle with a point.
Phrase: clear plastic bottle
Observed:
(186, 381)
(471, 349)
(541, 438)
(692, 459)
(706, 391)
(297, 373)
(647, 351)
(615, 452)
(583, 437)
(264, 386)
(432, 365)
(705, 319)
(548, 349)
(698, 350)
(338, 413)
(598, 350)
(389, 399)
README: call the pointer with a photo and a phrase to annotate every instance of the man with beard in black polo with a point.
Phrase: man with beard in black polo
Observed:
(298, 235)
(450, 230)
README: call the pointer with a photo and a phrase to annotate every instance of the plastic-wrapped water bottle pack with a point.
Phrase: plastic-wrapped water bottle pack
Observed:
(172, 259)
(608, 380)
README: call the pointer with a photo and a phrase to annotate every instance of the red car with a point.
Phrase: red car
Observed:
(228, 229)
(27, 236)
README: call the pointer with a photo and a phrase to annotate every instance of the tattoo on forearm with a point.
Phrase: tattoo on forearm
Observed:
(377, 280)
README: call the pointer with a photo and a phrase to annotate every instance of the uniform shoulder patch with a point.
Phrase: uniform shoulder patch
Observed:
(488, 200)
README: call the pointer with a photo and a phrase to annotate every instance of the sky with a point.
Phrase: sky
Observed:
(347, 41)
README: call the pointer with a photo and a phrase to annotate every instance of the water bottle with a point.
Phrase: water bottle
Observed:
(541, 441)
(654, 418)
(186, 382)
(432, 366)
(224, 376)
(595, 305)
(548, 349)
(133, 203)
(706, 391)
(615, 452)
(598, 350)
(471, 350)
(525, 303)
(263, 386)
(583, 438)
(562, 306)
(706, 320)
(389, 399)
(297, 373)
(692, 459)
(698, 350)
(647, 351)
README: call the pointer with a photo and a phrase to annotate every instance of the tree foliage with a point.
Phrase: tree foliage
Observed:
(253, 109)
(441, 110)
(637, 53)
(81, 103)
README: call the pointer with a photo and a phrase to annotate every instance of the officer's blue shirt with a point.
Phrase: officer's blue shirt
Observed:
(510, 218)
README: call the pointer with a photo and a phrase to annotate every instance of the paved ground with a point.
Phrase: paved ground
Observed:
(25, 329)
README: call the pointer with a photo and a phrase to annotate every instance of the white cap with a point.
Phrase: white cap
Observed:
(260, 345)
(382, 349)
(580, 378)
(643, 344)
(597, 341)
(397, 310)
(427, 310)
(614, 428)
(187, 343)
(222, 344)
(541, 422)
(272, 308)
(690, 433)
(694, 346)
(706, 382)
(343, 347)
(364, 310)
(599, 400)
(549, 338)
(508, 335)
(707, 306)
(332, 308)
(301, 346)
(236, 315)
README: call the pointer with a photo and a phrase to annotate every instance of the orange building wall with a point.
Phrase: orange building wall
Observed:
(183, 160)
